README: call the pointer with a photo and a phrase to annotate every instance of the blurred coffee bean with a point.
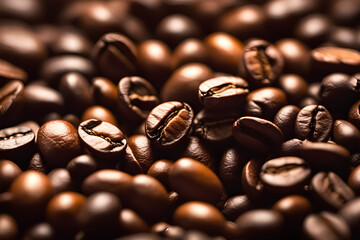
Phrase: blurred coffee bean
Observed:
(350, 213)
(42, 230)
(81, 166)
(161, 170)
(104, 92)
(100, 113)
(354, 114)
(189, 51)
(9, 72)
(235, 206)
(61, 180)
(294, 86)
(9, 171)
(11, 102)
(8, 227)
(130, 222)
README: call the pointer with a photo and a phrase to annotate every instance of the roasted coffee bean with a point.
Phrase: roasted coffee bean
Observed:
(8, 227)
(260, 224)
(62, 212)
(250, 179)
(330, 190)
(329, 59)
(322, 156)
(223, 93)
(130, 222)
(17, 144)
(261, 63)
(115, 55)
(82, 166)
(136, 98)
(98, 217)
(194, 181)
(294, 86)
(38, 164)
(285, 175)
(104, 92)
(224, 51)
(350, 213)
(165, 230)
(235, 206)
(169, 123)
(60, 180)
(9, 171)
(200, 216)
(354, 114)
(58, 142)
(100, 113)
(346, 135)
(11, 102)
(214, 126)
(189, 51)
(291, 147)
(265, 102)
(9, 72)
(326, 225)
(354, 180)
(102, 138)
(42, 230)
(30, 193)
(285, 119)
(257, 134)
(160, 170)
(314, 123)
(148, 198)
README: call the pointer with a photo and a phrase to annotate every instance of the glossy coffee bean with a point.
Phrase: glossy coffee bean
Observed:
(148, 198)
(265, 102)
(62, 212)
(235, 206)
(104, 92)
(136, 98)
(189, 51)
(60, 180)
(321, 156)
(160, 170)
(169, 123)
(354, 180)
(326, 225)
(199, 216)
(9, 171)
(346, 135)
(30, 193)
(250, 179)
(350, 213)
(9, 72)
(335, 59)
(81, 166)
(285, 175)
(38, 164)
(186, 79)
(260, 224)
(98, 217)
(294, 86)
(58, 142)
(11, 102)
(109, 180)
(8, 227)
(194, 181)
(130, 222)
(257, 134)
(261, 63)
(285, 119)
(113, 50)
(354, 114)
(102, 138)
(291, 147)
(100, 113)
(330, 190)
(223, 93)
(314, 123)
(224, 51)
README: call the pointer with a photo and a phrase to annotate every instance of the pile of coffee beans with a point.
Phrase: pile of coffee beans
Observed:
(179, 119)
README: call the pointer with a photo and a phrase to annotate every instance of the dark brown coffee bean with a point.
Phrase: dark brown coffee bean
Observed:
(321, 156)
(115, 55)
(285, 119)
(169, 123)
(62, 212)
(9, 171)
(314, 123)
(102, 138)
(330, 190)
(235, 206)
(166, 230)
(223, 93)
(326, 225)
(38, 164)
(189, 51)
(105, 93)
(285, 175)
(82, 166)
(261, 63)
(99, 215)
(8, 227)
(257, 134)
(100, 113)
(9, 72)
(42, 230)
(136, 98)
(224, 51)
(294, 86)
(195, 182)
(250, 179)
(148, 198)
(354, 180)
(30, 193)
(60, 180)
(265, 102)
(350, 213)
(130, 222)
(161, 170)
(346, 135)
(200, 216)
(354, 114)
(58, 142)
(291, 147)
(260, 224)
(11, 102)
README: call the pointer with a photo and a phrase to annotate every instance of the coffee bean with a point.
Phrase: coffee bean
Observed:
(199, 216)
(314, 123)
(136, 98)
(58, 142)
(9, 72)
(285, 119)
(169, 123)
(42, 230)
(194, 181)
(160, 170)
(354, 114)
(113, 50)
(8, 227)
(257, 134)
(354, 180)
(261, 63)
(326, 225)
(291, 147)
(330, 190)
(60, 180)
(11, 102)
(294, 86)
(189, 51)
(350, 213)
(102, 138)
(100, 113)
(347, 135)
(130, 222)
(235, 206)
(285, 175)
(260, 224)
(167, 231)
(250, 179)
(223, 93)
(9, 171)
(82, 166)
(105, 93)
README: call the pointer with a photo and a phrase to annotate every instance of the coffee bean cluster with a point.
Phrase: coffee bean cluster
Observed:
(179, 119)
